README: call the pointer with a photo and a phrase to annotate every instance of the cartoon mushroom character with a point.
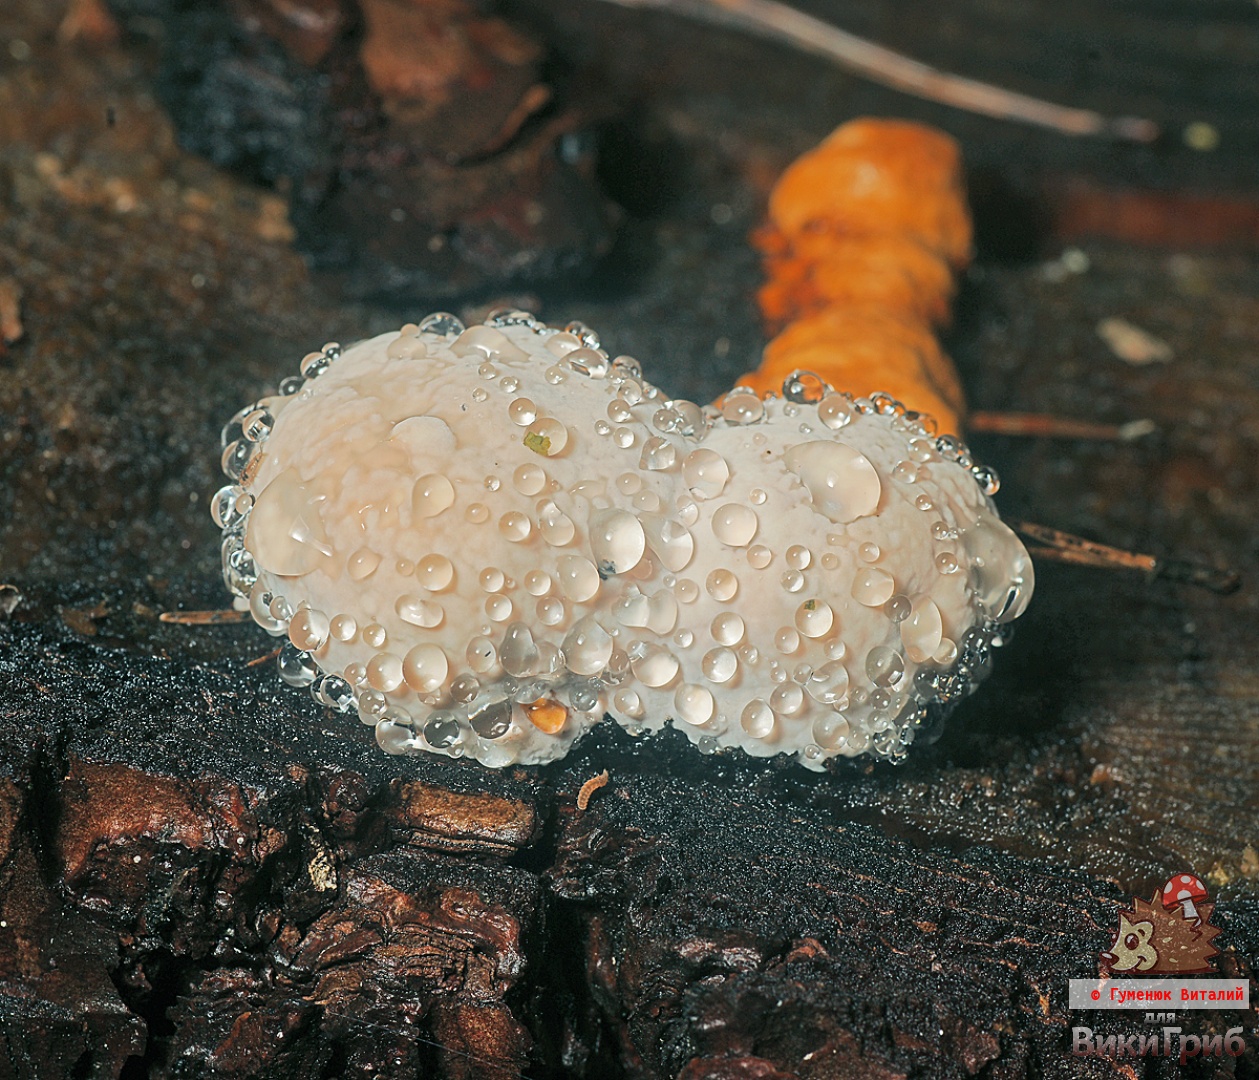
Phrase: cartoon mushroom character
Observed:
(1184, 891)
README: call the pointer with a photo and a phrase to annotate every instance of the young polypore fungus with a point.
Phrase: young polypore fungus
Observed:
(485, 539)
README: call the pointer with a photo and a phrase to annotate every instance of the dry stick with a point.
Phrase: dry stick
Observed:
(1065, 547)
(771, 19)
(203, 618)
(1056, 427)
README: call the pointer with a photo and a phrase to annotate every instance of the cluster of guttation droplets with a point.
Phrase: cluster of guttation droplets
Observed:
(936, 687)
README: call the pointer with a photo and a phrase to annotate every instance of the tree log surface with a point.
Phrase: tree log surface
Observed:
(203, 874)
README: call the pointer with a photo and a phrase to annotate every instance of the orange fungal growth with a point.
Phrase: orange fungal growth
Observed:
(883, 270)
(865, 235)
(879, 176)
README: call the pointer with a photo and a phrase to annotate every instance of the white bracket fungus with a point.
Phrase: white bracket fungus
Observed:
(485, 539)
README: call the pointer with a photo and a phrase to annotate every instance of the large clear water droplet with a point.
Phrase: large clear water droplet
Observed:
(297, 668)
(384, 672)
(286, 533)
(884, 665)
(419, 612)
(491, 720)
(578, 578)
(814, 618)
(481, 655)
(842, 483)
(787, 699)
(721, 585)
(486, 341)
(652, 665)
(662, 612)
(522, 412)
(629, 704)
(799, 557)
(691, 419)
(515, 527)
(828, 684)
(587, 648)
(425, 668)
(719, 665)
(223, 508)
(759, 556)
(519, 654)
(786, 640)
(260, 608)
(831, 731)
(556, 527)
(742, 405)
(727, 628)
(735, 524)
(588, 362)
(617, 541)
(694, 704)
(441, 324)
(236, 458)
(835, 411)
(309, 629)
(873, 586)
(392, 735)
(529, 479)
(658, 454)
(435, 572)
(432, 494)
(632, 609)
(442, 730)
(923, 630)
(706, 473)
(1001, 569)
(670, 541)
(804, 388)
(757, 719)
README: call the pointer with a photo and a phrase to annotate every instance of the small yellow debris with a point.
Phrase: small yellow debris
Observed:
(1250, 861)
(1201, 136)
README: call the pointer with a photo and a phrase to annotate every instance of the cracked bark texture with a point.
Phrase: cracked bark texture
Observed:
(204, 874)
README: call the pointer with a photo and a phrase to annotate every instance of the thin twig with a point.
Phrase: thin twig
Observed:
(1065, 547)
(203, 618)
(771, 19)
(1056, 427)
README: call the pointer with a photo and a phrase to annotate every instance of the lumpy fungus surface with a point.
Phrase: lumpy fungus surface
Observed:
(485, 539)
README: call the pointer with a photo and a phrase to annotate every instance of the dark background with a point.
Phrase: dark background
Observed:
(204, 874)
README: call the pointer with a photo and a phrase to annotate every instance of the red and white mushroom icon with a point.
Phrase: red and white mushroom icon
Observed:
(1184, 891)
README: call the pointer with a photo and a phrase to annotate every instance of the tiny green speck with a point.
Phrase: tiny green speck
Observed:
(539, 444)
(809, 605)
